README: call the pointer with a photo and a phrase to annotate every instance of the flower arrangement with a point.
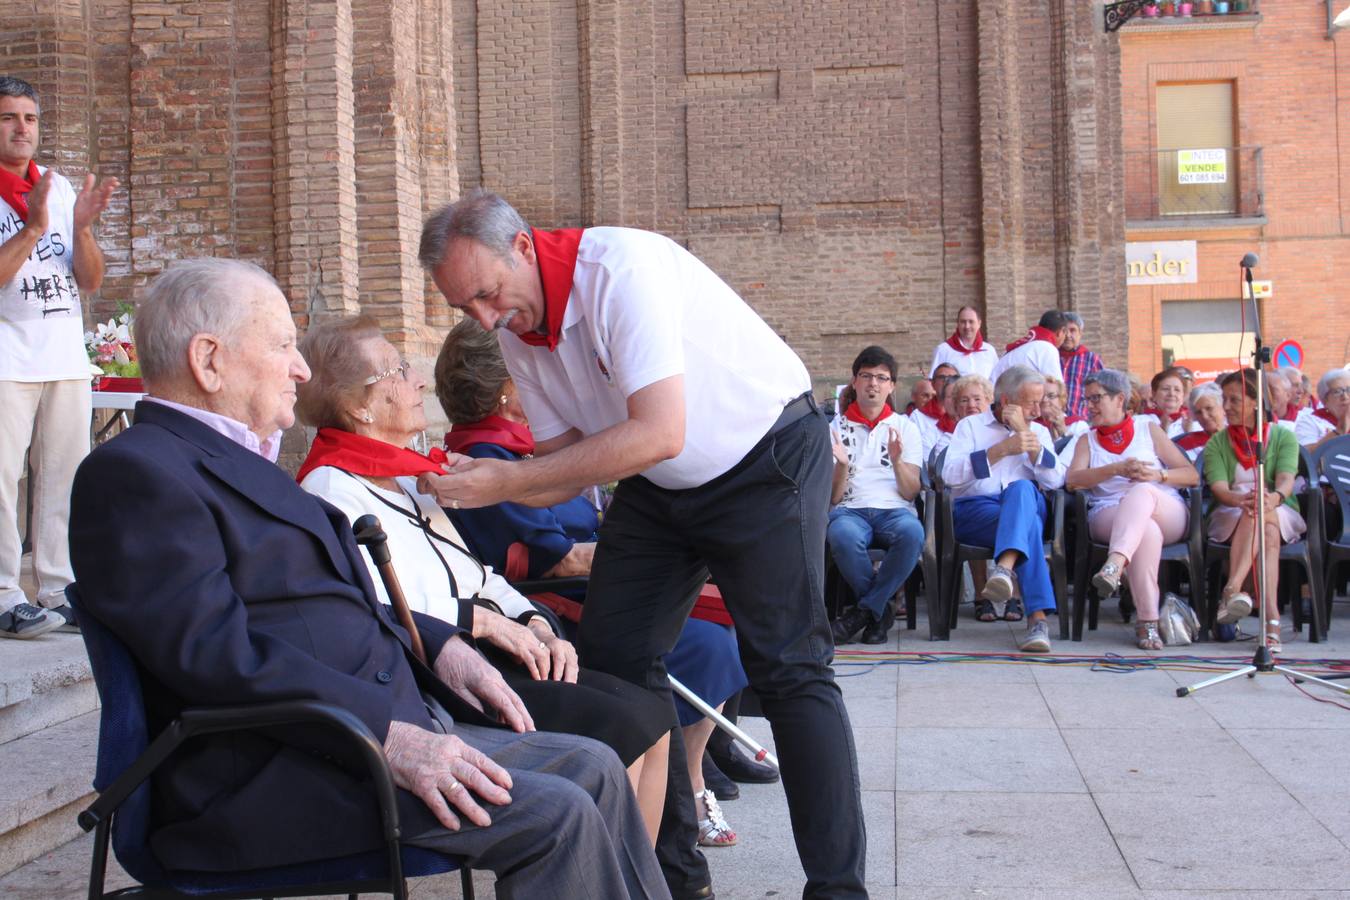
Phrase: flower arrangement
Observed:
(110, 346)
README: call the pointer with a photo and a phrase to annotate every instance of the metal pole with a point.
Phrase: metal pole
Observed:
(722, 722)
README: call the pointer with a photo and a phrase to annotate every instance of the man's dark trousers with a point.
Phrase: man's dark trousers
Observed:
(759, 529)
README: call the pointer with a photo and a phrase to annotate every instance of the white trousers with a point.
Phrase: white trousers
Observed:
(51, 418)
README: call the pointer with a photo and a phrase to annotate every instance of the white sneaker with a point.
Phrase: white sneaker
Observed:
(1236, 607)
(1037, 638)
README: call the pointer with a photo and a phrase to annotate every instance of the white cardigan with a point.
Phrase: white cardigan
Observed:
(419, 556)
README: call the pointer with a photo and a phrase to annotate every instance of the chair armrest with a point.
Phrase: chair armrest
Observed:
(1080, 514)
(213, 720)
(1058, 499)
(556, 585)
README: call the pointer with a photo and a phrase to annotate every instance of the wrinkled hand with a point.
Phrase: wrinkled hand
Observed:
(894, 446)
(563, 656)
(1021, 442)
(37, 203)
(91, 202)
(443, 771)
(1015, 418)
(838, 449)
(468, 483)
(517, 640)
(479, 685)
(576, 563)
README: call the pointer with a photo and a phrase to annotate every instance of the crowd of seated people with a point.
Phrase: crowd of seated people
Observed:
(1132, 445)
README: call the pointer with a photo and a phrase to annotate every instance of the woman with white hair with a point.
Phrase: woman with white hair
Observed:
(1206, 406)
(1314, 427)
(1131, 475)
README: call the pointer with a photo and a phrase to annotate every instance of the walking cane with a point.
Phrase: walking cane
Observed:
(370, 535)
(722, 722)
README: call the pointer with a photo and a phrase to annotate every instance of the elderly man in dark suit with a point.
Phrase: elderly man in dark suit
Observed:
(230, 584)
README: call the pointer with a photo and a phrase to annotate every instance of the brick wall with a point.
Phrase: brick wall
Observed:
(1288, 86)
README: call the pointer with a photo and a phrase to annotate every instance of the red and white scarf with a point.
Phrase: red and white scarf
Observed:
(955, 343)
(1115, 438)
(367, 456)
(1037, 333)
(556, 252)
(14, 190)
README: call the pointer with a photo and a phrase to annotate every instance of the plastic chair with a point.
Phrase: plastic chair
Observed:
(1333, 463)
(1300, 558)
(128, 757)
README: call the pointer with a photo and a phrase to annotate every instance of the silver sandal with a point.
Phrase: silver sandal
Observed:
(1107, 580)
(1147, 636)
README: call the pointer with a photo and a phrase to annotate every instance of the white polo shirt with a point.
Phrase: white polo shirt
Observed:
(871, 479)
(966, 469)
(642, 309)
(978, 362)
(1310, 428)
(1042, 356)
(41, 323)
(929, 433)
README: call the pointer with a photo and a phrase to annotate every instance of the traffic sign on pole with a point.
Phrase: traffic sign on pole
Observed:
(1289, 353)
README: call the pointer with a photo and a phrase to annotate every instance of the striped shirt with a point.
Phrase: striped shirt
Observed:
(1077, 367)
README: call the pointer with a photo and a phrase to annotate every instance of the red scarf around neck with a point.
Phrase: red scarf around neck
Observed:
(513, 436)
(1193, 440)
(1325, 415)
(1115, 438)
(854, 414)
(14, 190)
(1037, 333)
(946, 422)
(366, 456)
(1290, 413)
(1066, 355)
(556, 254)
(1241, 440)
(955, 343)
(1163, 418)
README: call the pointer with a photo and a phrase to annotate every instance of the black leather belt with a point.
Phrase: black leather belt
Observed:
(795, 410)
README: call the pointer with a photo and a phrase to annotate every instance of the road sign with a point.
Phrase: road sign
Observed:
(1289, 353)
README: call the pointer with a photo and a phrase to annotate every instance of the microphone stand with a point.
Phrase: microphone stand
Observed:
(1262, 660)
(370, 535)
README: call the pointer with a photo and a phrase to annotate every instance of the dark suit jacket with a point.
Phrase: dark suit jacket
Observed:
(231, 585)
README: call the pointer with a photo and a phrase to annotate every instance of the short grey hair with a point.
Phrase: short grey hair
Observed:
(1324, 384)
(1113, 381)
(479, 215)
(1201, 391)
(12, 86)
(1014, 378)
(1074, 317)
(190, 297)
(1277, 373)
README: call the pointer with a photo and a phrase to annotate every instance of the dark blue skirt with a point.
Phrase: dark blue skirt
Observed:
(707, 661)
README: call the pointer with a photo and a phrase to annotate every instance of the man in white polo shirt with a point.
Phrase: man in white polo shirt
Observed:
(48, 254)
(1038, 349)
(877, 455)
(966, 350)
(634, 361)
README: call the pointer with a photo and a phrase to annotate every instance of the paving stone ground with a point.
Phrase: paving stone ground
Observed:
(1035, 781)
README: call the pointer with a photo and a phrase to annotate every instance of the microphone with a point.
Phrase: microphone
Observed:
(1250, 261)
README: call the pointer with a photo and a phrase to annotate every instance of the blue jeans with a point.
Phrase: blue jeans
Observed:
(1014, 520)
(852, 531)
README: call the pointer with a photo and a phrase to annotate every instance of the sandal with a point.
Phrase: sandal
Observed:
(1107, 580)
(984, 610)
(1273, 636)
(713, 831)
(1013, 611)
(1234, 605)
(1146, 633)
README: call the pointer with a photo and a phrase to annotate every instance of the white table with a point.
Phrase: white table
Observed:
(122, 402)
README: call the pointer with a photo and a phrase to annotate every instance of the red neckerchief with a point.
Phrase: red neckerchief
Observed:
(366, 456)
(1193, 440)
(1070, 420)
(1066, 355)
(1037, 333)
(14, 190)
(955, 343)
(1115, 438)
(853, 414)
(1162, 417)
(1290, 413)
(1241, 440)
(513, 436)
(556, 253)
(946, 422)
(1325, 415)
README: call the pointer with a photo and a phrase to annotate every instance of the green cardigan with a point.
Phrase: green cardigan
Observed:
(1281, 456)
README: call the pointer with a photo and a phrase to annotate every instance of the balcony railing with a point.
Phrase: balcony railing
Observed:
(1194, 182)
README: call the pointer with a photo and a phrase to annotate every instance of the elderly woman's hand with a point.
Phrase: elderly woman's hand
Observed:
(563, 655)
(517, 640)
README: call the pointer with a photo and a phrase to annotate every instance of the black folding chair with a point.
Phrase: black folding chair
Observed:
(1333, 463)
(128, 756)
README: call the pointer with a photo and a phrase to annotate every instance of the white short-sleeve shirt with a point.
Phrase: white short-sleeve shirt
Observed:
(978, 362)
(871, 479)
(643, 309)
(1042, 356)
(41, 323)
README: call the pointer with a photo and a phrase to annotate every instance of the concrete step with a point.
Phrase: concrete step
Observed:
(43, 681)
(47, 781)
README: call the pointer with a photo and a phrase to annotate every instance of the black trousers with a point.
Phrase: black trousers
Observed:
(759, 529)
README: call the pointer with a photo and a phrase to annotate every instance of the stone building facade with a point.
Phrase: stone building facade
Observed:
(858, 169)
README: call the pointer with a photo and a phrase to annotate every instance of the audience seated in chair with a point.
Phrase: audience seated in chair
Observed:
(1206, 406)
(877, 455)
(231, 585)
(936, 421)
(995, 464)
(1131, 474)
(1314, 427)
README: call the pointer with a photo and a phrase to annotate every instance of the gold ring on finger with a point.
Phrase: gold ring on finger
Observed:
(543, 646)
(454, 785)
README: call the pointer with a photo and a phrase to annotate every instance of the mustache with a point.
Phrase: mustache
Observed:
(504, 320)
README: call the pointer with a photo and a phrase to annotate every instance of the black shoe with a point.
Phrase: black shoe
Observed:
(739, 767)
(850, 622)
(703, 893)
(67, 615)
(878, 632)
(723, 788)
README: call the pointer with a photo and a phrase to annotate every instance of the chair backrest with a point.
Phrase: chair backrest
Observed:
(122, 737)
(936, 459)
(1061, 443)
(1333, 459)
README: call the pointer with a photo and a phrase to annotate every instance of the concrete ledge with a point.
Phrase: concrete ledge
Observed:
(46, 771)
(1172, 24)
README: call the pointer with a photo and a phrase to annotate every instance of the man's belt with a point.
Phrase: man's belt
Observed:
(795, 410)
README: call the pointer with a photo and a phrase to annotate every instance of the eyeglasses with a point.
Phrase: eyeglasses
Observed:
(402, 368)
(1336, 393)
(879, 379)
(1093, 399)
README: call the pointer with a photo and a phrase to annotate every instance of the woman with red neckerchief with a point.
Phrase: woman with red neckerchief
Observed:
(1169, 403)
(1314, 427)
(1230, 470)
(1130, 470)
